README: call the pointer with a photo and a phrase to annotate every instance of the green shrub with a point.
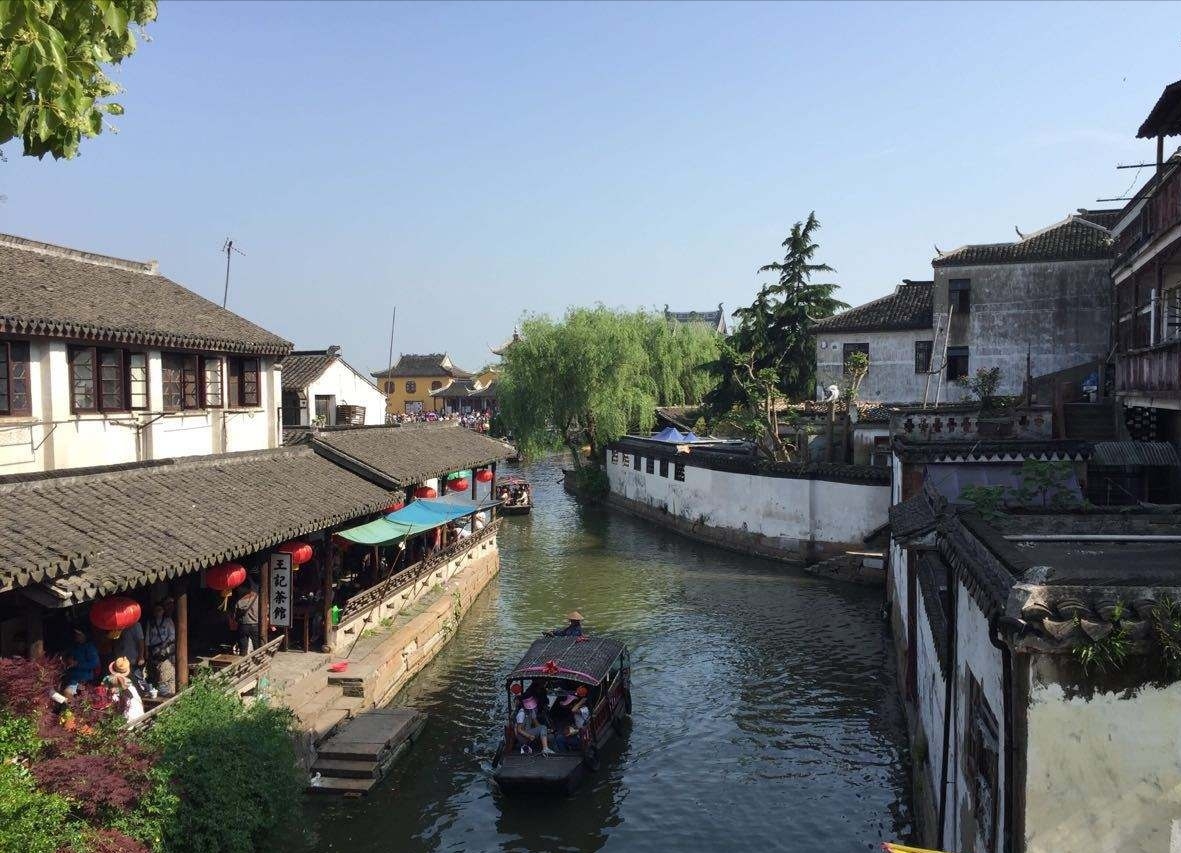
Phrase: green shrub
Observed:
(32, 821)
(591, 482)
(18, 738)
(234, 767)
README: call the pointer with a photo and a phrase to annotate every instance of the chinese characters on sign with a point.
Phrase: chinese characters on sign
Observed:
(280, 603)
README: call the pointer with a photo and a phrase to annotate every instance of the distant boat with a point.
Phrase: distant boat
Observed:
(515, 496)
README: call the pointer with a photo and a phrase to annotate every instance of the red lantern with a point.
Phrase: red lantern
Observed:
(484, 475)
(300, 552)
(425, 492)
(395, 506)
(515, 688)
(225, 577)
(115, 614)
(460, 485)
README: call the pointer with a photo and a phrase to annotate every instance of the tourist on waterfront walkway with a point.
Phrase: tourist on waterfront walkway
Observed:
(246, 618)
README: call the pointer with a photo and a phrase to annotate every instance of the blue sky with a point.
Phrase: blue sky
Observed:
(469, 162)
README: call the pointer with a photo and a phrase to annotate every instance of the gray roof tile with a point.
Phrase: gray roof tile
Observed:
(908, 307)
(1079, 237)
(400, 456)
(102, 531)
(66, 293)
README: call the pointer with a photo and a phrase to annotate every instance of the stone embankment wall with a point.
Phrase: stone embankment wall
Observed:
(806, 515)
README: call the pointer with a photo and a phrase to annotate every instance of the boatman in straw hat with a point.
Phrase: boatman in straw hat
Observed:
(573, 629)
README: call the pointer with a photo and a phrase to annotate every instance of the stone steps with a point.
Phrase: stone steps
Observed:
(357, 757)
(866, 568)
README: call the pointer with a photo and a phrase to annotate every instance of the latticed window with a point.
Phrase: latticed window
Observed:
(212, 384)
(922, 356)
(14, 378)
(181, 378)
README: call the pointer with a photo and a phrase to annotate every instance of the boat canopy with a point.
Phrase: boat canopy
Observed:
(416, 517)
(586, 660)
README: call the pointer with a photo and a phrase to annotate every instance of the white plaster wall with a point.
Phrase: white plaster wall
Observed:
(891, 377)
(788, 509)
(1102, 773)
(54, 438)
(931, 693)
(974, 652)
(339, 381)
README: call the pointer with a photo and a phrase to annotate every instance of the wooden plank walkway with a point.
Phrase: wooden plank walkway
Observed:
(357, 757)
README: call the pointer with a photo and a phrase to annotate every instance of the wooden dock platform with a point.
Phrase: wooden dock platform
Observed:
(357, 757)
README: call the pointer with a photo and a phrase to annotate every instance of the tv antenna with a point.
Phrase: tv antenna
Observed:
(229, 248)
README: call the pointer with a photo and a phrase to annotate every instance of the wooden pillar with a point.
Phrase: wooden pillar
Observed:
(492, 488)
(182, 637)
(326, 564)
(264, 603)
(34, 633)
(475, 485)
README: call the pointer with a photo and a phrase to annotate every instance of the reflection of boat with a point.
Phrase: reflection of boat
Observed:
(515, 496)
(594, 672)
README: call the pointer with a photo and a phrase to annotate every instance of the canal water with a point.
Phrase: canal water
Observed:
(765, 710)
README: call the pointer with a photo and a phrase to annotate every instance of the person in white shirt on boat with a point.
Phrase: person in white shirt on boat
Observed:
(529, 728)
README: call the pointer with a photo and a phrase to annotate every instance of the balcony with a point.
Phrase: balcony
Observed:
(1152, 372)
(1161, 211)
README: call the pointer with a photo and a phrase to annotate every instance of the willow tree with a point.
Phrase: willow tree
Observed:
(596, 375)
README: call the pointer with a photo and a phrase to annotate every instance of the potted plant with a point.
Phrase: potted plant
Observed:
(992, 421)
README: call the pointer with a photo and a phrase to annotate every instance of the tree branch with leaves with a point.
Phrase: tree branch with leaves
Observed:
(54, 56)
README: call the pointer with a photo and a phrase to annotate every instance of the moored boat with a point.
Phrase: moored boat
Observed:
(583, 680)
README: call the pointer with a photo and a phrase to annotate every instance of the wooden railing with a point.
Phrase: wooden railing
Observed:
(395, 583)
(1152, 372)
(1160, 212)
(229, 677)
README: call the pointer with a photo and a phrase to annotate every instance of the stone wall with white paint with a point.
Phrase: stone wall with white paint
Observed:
(1104, 770)
(802, 516)
(53, 437)
(891, 377)
(975, 657)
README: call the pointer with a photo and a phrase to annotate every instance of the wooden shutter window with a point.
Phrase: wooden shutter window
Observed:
(212, 385)
(15, 398)
(137, 380)
(82, 381)
(249, 380)
(111, 388)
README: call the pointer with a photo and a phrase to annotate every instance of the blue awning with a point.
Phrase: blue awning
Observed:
(418, 516)
(670, 434)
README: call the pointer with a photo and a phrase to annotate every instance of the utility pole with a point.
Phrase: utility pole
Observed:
(393, 320)
(229, 247)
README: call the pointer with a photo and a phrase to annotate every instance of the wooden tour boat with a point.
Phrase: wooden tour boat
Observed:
(515, 496)
(597, 671)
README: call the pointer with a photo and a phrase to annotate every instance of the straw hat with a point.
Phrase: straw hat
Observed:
(574, 616)
(120, 666)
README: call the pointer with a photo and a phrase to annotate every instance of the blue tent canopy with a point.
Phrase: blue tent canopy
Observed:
(689, 437)
(416, 517)
(669, 434)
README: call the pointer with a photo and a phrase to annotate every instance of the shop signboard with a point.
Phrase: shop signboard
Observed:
(280, 603)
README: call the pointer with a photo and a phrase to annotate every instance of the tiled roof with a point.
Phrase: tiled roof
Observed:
(400, 456)
(136, 524)
(303, 367)
(908, 307)
(1079, 237)
(1133, 453)
(1165, 118)
(710, 319)
(431, 364)
(66, 293)
(458, 388)
(916, 516)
